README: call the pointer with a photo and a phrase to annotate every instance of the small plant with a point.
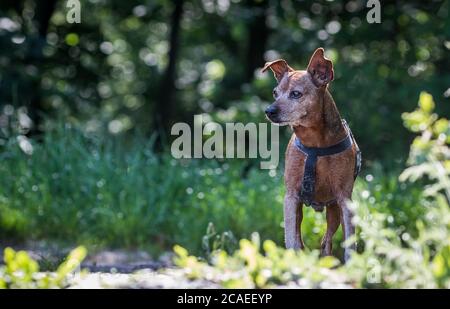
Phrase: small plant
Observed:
(251, 266)
(430, 154)
(214, 241)
(22, 272)
(394, 259)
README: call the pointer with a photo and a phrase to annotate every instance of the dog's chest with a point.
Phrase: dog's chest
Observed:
(331, 173)
(294, 171)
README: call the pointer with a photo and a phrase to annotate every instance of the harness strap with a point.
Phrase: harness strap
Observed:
(307, 189)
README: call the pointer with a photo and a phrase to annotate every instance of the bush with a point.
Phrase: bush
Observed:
(21, 271)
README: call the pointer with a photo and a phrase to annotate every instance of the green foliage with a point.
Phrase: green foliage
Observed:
(106, 73)
(120, 193)
(213, 241)
(430, 154)
(22, 272)
(390, 259)
(401, 256)
(253, 267)
(395, 259)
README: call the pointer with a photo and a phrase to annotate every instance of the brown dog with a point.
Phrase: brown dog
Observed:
(303, 101)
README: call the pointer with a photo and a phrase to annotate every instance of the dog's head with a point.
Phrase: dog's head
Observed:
(298, 95)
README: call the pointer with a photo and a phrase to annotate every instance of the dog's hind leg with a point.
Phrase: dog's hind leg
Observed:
(293, 216)
(333, 221)
(347, 226)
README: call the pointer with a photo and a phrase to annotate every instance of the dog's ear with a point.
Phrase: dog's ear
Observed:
(320, 68)
(279, 68)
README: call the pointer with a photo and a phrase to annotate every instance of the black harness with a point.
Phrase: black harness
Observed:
(307, 189)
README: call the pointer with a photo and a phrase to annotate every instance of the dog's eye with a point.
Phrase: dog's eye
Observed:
(275, 93)
(295, 94)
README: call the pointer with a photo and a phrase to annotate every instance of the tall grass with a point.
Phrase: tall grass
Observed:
(118, 193)
(80, 189)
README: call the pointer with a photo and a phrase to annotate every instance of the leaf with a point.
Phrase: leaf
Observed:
(426, 102)
(269, 246)
(328, 262)
(76, 256)
(441, 265)
(180, 251)
(8, 255)
(441, 126)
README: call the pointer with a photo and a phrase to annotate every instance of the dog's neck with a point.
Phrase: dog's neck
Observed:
(327, 130)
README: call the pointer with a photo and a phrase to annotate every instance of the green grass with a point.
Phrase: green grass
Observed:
(78, 189)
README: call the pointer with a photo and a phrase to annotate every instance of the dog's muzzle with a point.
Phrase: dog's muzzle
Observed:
(272, 112)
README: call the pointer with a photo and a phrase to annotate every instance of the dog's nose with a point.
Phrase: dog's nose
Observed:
(271, 110)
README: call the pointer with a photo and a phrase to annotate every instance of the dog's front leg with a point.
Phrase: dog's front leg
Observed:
(293, 216)
(347, 226)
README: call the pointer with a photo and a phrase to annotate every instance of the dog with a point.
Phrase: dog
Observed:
(322, 157)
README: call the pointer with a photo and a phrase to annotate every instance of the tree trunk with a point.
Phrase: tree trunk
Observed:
(43, 13)
(163, 112)
(257, 39)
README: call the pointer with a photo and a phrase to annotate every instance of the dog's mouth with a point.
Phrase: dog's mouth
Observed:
(272, 118)
(275, 120)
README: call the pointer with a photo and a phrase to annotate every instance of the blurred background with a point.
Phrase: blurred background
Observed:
(86, 111)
